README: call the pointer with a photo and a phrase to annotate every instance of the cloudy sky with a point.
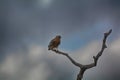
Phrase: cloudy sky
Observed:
(27, 26)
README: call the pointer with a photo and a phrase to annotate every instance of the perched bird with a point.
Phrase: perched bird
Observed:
(54, 43)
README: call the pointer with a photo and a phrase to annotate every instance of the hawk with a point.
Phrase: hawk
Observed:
(54, 43)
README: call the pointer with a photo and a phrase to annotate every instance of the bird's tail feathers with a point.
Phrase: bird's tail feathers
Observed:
(49, 49)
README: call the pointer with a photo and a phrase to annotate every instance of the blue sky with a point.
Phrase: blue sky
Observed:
(27, 26)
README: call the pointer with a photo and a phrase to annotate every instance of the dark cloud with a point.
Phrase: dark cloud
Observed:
(28, 20)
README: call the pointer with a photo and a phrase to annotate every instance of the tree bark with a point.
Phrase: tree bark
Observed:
(83, 68)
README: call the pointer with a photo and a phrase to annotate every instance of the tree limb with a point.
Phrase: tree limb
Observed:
(83, 68)
(101, 51)
(66, 54)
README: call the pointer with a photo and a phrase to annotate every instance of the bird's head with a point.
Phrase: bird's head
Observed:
(58, 36)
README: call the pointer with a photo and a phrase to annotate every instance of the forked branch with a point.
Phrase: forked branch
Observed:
(83, 68)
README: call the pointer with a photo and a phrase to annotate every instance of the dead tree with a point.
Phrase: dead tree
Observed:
(82, 67)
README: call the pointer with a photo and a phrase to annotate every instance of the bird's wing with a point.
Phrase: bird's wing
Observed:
(52, 42)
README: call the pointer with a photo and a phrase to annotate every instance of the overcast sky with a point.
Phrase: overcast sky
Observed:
(27, 26)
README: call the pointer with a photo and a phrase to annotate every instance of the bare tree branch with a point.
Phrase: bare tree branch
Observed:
(73, 61)
(101, 51)
(83, 68)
